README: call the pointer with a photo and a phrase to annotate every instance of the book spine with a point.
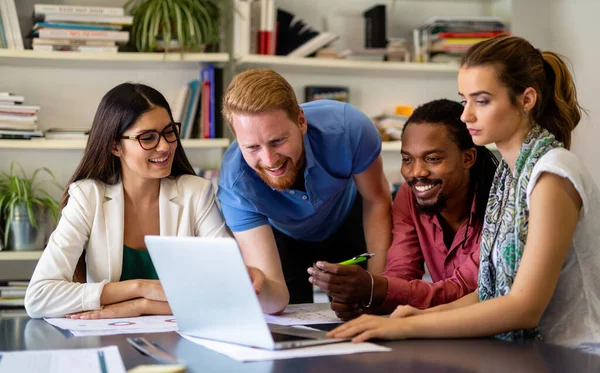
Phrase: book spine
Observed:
(40, 25)
(76, 48)
(112, 20)
(18, 118)
(417, 50)
(209, 132)
(218, 84)
(10, 41)
(255, 27)
(16, 28)
(41, 9)
(19, 108)
(205, 119)
(459, 40)
(241, 28)
(92, 43)
(2, 35)
(191, 109)
(482, 34)
(271, 19)
(263, 31)
(119, 36)
(179, 103)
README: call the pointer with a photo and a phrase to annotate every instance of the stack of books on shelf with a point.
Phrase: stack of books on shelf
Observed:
(10, 30)
(198, 105)
(17, 121)
(260, 28)
(67, 133)
(12, 294)
(79, 28)
(319, 92)
(390, 125)
(446, 39)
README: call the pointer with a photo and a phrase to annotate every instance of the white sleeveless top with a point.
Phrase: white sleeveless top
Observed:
(573, 316)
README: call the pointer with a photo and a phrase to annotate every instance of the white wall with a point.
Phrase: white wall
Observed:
(575, 34)
(531, 19)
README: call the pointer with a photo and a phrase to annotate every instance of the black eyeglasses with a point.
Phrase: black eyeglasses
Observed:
(150, 139)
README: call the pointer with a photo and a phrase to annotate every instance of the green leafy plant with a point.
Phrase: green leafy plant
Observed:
(19, 190)
(193, 23)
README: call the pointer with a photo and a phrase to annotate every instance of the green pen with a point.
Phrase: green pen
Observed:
(357, 259)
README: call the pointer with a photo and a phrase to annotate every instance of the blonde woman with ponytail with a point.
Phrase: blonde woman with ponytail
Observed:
(539, 276)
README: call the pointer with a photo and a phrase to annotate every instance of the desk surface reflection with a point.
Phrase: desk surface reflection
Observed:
(470, 355)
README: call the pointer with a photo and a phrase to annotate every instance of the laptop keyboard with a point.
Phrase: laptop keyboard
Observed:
(279, 337)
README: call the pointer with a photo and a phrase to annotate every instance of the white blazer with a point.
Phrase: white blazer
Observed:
(93, 219)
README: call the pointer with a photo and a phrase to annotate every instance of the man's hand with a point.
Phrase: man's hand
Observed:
(129, 308)
(346, 311)
(344, 283)
(257, 277)
(152, 290)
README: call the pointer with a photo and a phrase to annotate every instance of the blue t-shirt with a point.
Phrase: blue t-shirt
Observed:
(341, 141)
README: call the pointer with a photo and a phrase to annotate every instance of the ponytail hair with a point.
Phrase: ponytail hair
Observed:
(560, 112)
(520, 66)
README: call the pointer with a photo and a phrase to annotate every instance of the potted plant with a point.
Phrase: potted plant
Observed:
(24, 207)
(184, 25)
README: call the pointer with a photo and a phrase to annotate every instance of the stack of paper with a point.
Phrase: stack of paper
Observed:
(131, 325)
(243, 353)
(89, 360)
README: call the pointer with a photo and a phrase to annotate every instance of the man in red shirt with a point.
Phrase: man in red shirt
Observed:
(437, 220)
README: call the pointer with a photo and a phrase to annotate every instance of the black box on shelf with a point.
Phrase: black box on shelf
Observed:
(375, 27)
(314, 92)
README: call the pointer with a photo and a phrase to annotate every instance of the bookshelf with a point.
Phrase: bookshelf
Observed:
(375, 87)
(43, 144)
(285, 64)
(20, 255)
(58, 59)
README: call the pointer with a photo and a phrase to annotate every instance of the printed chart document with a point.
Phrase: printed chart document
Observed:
(243, 353)
(128, 325)
(89, 360)
(294, 314)
(304, 314)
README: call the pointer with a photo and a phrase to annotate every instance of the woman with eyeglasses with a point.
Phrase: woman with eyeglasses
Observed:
(134, 180)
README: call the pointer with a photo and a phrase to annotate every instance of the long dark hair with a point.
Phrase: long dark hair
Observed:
(119, 109)
(446, 112)
(520, 66)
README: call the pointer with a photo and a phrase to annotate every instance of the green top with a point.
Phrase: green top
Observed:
(137, 265)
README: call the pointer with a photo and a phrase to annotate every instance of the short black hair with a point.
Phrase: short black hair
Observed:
(447, 112)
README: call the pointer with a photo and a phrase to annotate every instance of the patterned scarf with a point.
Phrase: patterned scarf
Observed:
(506, 223)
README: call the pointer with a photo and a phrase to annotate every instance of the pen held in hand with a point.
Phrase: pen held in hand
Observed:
(357, 259)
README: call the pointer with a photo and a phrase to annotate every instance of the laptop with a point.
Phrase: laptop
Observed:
(212, 297)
